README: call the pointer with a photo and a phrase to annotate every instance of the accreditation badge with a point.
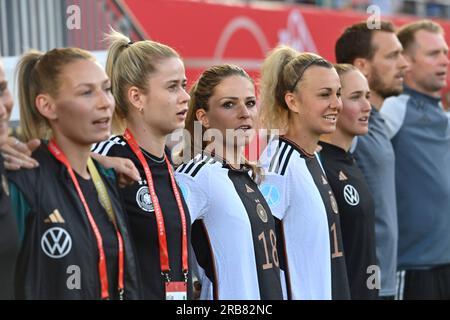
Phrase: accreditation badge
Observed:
(176, 290)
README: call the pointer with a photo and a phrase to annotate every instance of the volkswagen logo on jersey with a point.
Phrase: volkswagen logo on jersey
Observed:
(351, 195)
(271, 194)
(262, 214)
(334, 205)
(56, 242)
(144, 199)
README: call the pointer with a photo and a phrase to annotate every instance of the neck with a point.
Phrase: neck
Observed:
(415, 87)
(147, 138)
(231, 154)
(339, 139)
(77, 154)
(376, 100)
(302, 137)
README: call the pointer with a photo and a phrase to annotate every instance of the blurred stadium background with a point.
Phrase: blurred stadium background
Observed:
(203, 32)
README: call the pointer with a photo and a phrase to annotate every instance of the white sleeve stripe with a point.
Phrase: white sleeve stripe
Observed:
(181, 168)
(284, 158)
(193, 166)
(189, 166)
(275, 156)
(283, 170)
(104, 147)
(98, 146)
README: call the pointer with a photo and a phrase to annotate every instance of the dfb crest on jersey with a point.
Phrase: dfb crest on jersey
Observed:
(144, 200)
(56, 242)
(262, 214)
(333, 201)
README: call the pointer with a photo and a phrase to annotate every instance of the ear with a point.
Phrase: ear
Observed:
(201, 116)
(46, 106)
(292, 101)
(363, 65)
(136, 98)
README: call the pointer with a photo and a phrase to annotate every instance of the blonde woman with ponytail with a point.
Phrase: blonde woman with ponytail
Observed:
(234, 236)
(300, 97)
(75, 242)
(148, 84)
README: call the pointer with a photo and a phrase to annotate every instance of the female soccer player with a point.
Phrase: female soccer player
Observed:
(349, 185)
(75, 241)
(234, 236)
(148, 83)
(300, 95)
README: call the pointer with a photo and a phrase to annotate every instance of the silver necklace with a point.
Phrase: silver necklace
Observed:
(157, 160)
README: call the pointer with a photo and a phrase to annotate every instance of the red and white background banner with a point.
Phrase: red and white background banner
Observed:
(206, 33)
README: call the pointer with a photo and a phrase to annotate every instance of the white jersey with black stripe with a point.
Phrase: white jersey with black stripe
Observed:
(239, 230)
(103, 147)
(293, 197)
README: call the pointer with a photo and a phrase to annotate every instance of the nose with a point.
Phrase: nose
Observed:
(445, 61)
(244, 113)
(105, 99)
(336, 103)
(185, 97)
(402, 62)
(366, 106)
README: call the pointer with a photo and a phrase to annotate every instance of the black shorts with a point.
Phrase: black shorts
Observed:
(424, 284)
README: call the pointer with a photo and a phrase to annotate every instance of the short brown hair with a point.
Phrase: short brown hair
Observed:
(356, 42)
(406, 34)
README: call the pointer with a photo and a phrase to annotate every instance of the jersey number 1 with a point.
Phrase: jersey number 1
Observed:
(336, 253)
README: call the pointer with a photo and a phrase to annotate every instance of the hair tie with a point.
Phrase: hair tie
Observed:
(129, 43)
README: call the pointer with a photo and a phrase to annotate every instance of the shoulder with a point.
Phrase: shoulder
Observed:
(277, 157)
(29, 181)
(200, 165)
(393, 112)
(110, 147)
(47, 162)
(394, 106)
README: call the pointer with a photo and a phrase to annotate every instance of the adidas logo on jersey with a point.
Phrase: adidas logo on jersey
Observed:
(249, 190)
(342, 176)
(54, 217)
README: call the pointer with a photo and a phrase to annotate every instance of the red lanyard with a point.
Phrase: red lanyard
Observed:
(59, 155)
(163, 251)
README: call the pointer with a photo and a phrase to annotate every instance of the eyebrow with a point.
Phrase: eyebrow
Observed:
(236, 98)
(358, 92)
(176, 80)
(92, 84)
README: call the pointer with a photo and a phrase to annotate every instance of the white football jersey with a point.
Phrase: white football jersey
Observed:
(294, 199)
(234, 235)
